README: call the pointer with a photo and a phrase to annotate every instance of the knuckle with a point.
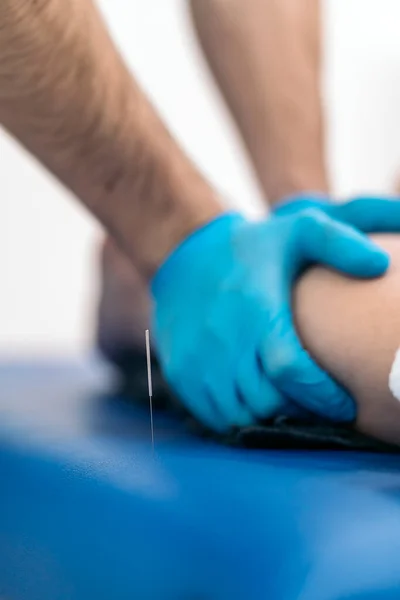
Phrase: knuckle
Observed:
(173, 370)
(313, 217)
(316, 234)
(282, 365)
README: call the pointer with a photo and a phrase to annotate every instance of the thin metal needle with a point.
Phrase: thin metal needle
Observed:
(147, 333)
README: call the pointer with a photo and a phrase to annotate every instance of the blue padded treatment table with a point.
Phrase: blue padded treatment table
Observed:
(87, 512)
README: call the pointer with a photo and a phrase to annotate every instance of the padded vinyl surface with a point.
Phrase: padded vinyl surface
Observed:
(87, 512)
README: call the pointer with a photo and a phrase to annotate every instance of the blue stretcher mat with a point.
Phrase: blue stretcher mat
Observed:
(87, 512)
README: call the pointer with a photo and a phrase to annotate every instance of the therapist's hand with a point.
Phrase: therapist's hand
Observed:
(222, 312)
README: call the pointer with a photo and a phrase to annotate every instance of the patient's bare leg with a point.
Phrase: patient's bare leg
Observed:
(352, 328)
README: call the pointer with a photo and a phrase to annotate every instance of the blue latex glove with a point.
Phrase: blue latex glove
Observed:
(222, 313)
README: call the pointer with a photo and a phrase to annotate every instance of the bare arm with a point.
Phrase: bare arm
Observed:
(352, 328)
(265, 55)
(67, 96)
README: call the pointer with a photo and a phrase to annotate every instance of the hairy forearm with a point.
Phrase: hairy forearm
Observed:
(352, 328)
(265, 55)
(67, 96)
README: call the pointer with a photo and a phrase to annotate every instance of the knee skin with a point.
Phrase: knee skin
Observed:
(352, 329)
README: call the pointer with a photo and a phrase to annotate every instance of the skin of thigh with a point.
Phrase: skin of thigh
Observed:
(352, 329)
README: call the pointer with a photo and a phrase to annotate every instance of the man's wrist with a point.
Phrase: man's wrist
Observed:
(172, 200)
(289, 183)
(197, 241)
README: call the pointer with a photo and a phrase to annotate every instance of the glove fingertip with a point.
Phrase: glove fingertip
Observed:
(380, 261)
(347, 413)
(377, 263)
(314, 390)
(340, 411)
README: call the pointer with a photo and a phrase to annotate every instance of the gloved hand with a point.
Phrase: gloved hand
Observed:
(369, 214)
(222, 314)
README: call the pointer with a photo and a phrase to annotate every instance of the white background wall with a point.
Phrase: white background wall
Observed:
(48, 243)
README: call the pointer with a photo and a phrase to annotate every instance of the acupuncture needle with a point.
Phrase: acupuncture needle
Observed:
(149, 381)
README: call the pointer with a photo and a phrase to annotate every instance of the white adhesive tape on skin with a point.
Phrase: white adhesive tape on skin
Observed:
(394, 376)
